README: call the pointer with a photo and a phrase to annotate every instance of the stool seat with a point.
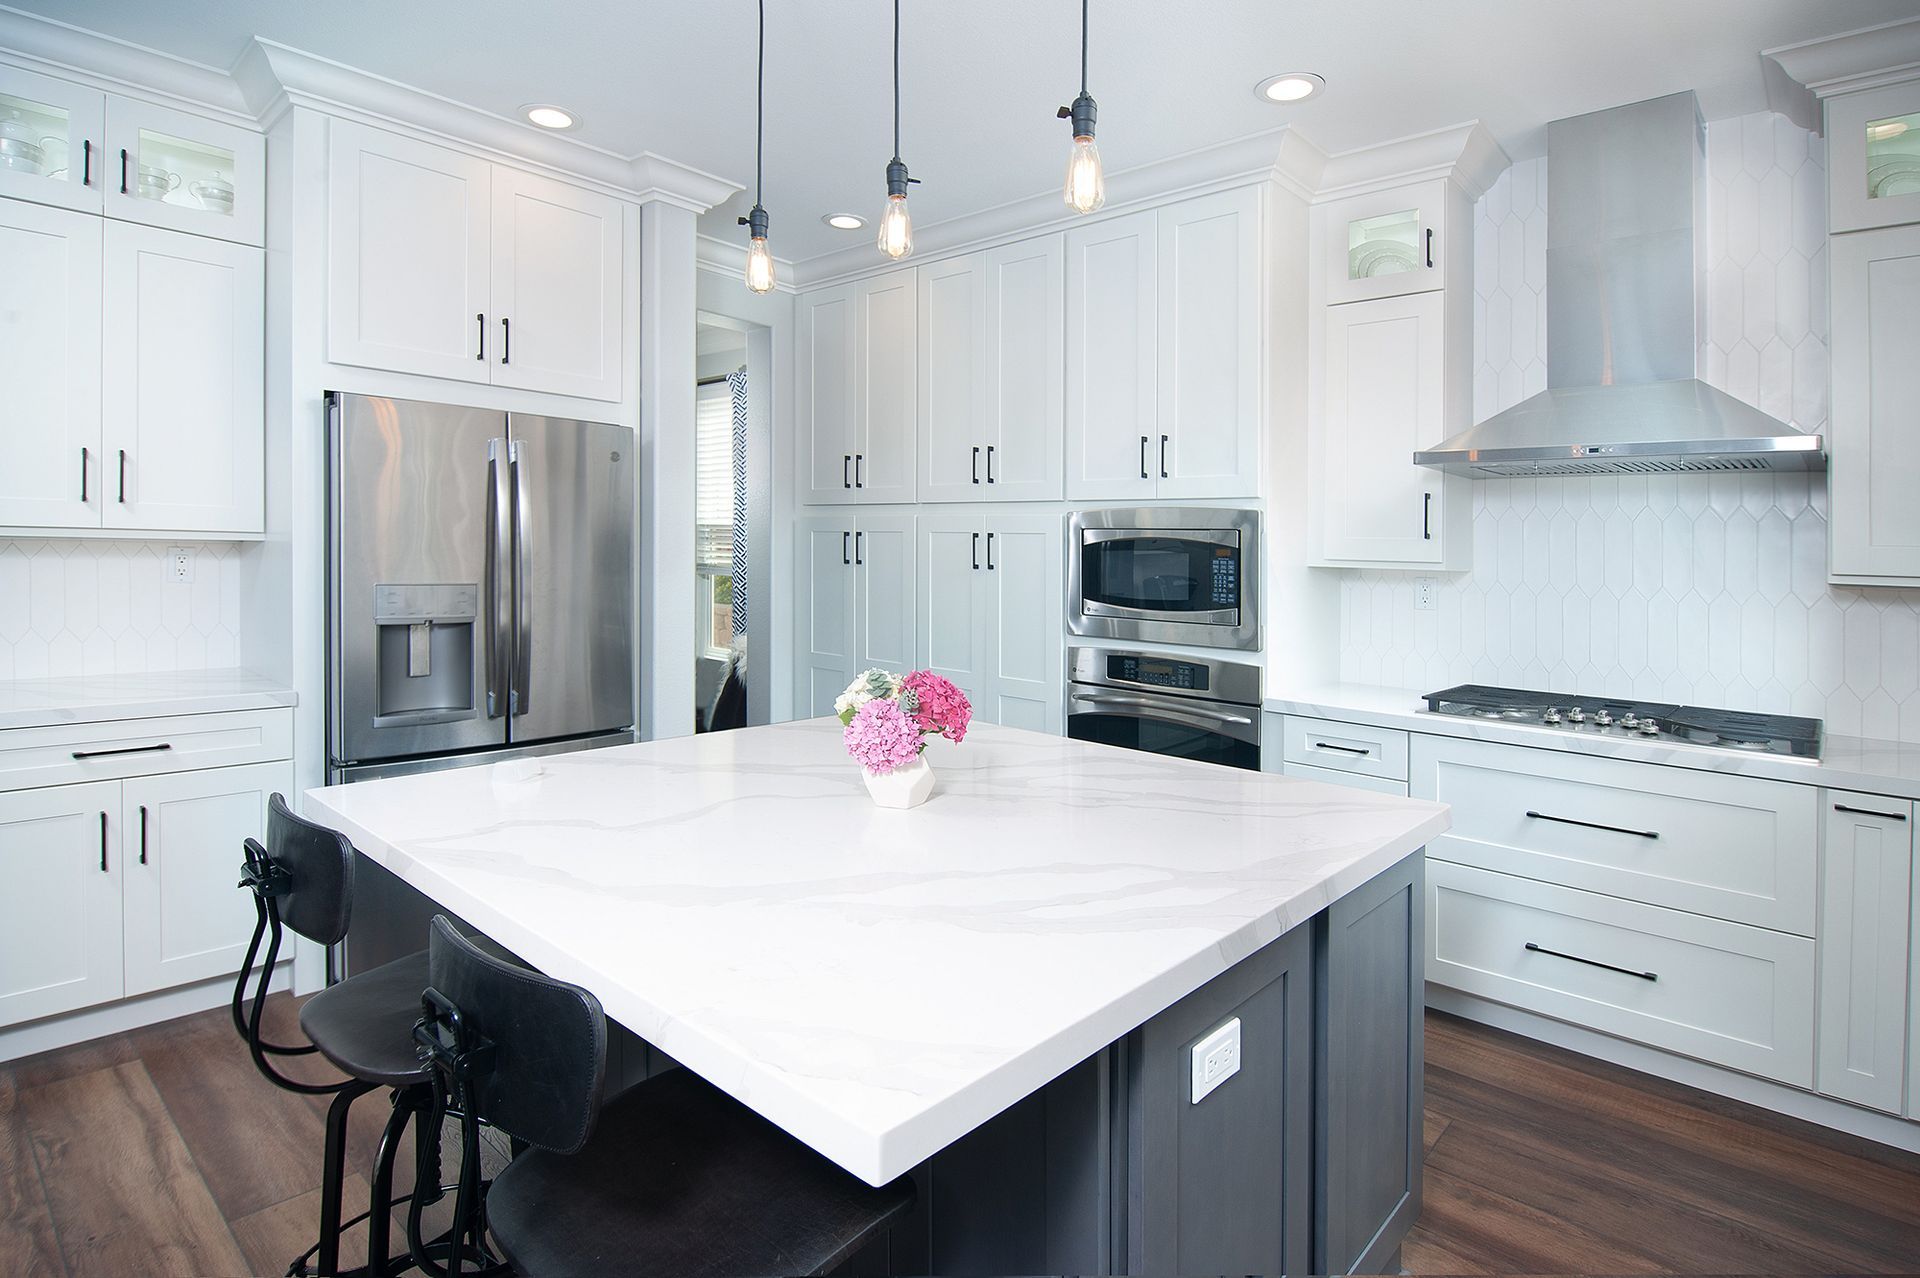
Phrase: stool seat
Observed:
(679, 1178)
(364, 1024)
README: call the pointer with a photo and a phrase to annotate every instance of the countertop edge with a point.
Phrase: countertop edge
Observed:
(66, 702)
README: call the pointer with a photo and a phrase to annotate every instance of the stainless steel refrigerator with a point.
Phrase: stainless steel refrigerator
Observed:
(480, 585)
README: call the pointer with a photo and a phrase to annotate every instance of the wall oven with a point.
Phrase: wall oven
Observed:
(1189, 707)
(1166, 574)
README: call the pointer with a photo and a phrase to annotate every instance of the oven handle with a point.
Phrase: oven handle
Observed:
(1150, 703)
(1239, 727)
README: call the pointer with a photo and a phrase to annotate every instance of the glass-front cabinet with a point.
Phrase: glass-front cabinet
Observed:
(1873, 157)
(51, 148)
(185, 172)
(1385, 243)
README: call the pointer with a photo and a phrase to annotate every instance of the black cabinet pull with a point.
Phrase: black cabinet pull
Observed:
(143, 834)
(1884, 816)
(86, 162)
(506, 340)
(1429, 246)
(1163, 457)
(976, 463)
(1591, 825)
(101, 754)
(859, 460)
(103, 843)
(857, 559)
(1328, 745)
(480, 318)
(123, 170)
(1426, 516)
(990, 478)
(976, 552)
(846, 460)
(123, 477)
(83, 474)
(1575, 958)
(990, 564)
(845, 538)
(1143, 458)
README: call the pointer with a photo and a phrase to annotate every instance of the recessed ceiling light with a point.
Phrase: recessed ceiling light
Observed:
(844, 221)
(549, 117)
(1294, 86)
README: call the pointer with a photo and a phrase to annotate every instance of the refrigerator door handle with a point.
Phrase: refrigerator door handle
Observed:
(520, 697)
(498, 618)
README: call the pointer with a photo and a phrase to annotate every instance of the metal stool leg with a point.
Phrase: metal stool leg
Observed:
(333, 1174)
(380, 1204)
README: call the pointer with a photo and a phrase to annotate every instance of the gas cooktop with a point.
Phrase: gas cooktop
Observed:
(1781, 734)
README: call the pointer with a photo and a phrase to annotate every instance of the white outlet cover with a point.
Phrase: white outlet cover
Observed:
(179, 564)
(1216, 1058)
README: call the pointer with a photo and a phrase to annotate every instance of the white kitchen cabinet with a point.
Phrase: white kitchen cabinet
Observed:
(853, 603)
(66, 124)
(1866, 886)
(992, 614)
(184, 172)
(183, 399)
(1913, 1002)
(1335, 776)
(180, 837)
(60, 923)
(855, 393)
(990, 374)
(1163, 358)
(50, 472)
(449, 266)
(1873, 157)
(1873, 449)
(1386, 243)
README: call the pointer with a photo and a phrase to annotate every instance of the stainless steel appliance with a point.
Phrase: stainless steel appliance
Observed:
(1190, 707)
(1167, 574)
(480, 585)
(1781, 734)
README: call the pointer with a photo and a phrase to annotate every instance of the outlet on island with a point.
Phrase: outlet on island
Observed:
(1216, 1058)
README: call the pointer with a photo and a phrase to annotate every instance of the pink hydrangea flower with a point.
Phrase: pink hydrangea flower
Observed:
(881, 737)
(937, 705)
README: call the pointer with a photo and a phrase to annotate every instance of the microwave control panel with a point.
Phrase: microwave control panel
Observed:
(1225, 579)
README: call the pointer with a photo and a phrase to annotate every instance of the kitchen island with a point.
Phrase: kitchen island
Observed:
(996, 992)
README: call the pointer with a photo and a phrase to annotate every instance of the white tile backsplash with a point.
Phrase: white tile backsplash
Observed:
(1708, 589)
(78, 607)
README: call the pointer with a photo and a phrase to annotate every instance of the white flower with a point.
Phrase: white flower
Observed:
(868, 685)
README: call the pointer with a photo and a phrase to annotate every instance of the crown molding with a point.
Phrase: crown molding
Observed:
(1465, 153)
(1845, 63)
(54, 48)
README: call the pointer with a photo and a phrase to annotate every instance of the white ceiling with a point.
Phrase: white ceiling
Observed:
(982, 78)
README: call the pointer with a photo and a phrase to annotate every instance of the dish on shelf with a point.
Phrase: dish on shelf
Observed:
(1380, 257)
(1894, 175)
(23, 164)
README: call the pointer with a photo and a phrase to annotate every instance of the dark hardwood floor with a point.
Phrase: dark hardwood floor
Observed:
(162, 1152)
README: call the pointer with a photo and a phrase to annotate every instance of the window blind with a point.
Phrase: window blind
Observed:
(713, 503)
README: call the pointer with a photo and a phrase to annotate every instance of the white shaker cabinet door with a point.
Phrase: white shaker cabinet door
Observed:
(954, 605)
(952, 379)
(408, 245)
(556, 287)
(1112, 359)
(1867, 882)
(883, 463)
(826, 372)
(183, 438)
(822, 614)
(1026, 637)
(884, 594)
(50, 471)
(1872, 443)
(184, 172)
(1023, 353)
(1208, 299)
(60, 910)
(182, 834)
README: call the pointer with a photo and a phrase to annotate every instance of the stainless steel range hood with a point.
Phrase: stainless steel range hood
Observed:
(1626, 220)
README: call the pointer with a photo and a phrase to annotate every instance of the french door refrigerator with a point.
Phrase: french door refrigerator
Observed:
(480, 585)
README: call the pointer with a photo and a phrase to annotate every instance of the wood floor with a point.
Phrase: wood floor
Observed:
(162, 1152)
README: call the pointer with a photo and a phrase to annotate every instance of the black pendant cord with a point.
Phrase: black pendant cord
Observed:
(1083, 48)
(760, 106)
(896, 79)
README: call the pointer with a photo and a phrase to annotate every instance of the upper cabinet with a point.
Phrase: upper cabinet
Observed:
(449, 266)
(52, 141)
(1873, 449)
(1386, 243)
(1873, 157)
(1162, 336)
(991, 341)
(855, 390)
(50, 364)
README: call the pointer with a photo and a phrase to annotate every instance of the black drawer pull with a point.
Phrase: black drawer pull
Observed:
(845, 539)
(480, 317)
(846, 461)
(1884, 816)
(1575, 958)
(1328, 745)
(86, 162)
(976, 463)
(100, 754)
(103, 843)
(1429, 246)
(83, 475)
(1143, 458)
(143, 834)
(990, 478)
(976, 552)
(123, 170)
(1594, 825)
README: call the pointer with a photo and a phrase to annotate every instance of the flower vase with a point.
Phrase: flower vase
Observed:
(904, 787)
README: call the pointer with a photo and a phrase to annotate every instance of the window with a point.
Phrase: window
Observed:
(713, 516)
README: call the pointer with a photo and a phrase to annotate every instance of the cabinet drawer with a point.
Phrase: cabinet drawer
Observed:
(69, 753)
(1346, 747)
(1732, 847)
(1358, 780)
(1724, 993)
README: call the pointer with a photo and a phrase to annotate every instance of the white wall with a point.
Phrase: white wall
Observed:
(1692, 588)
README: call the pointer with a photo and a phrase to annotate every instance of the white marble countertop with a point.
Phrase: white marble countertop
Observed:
(878, 982)
(1845, 763)
(39, 703)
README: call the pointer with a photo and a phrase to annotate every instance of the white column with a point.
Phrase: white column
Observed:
(667, 462)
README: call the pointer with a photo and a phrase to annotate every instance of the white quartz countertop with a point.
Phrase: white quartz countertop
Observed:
(878, 982)
(39, 703)
(1845, 763)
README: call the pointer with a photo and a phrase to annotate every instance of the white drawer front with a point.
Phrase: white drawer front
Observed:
(70, 753)
(1346, 747)
(1732, 847)
(1357, 780)
(1728, 994)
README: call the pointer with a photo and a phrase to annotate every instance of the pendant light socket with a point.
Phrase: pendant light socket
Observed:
(756, 223)
(897, 178)
(1083, 113)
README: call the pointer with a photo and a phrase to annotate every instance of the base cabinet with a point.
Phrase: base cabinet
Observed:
(1866, 882)
(853, 604)
(60, 932)
(992, 616)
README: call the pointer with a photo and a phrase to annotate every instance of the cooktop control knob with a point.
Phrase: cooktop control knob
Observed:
(1649, 728)
(1603, 719)
(1628, 722)
(1550, 717)
(1576, 715)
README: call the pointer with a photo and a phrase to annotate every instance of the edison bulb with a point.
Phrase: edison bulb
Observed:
(896, 228)
(759, 265)
(1086, 185)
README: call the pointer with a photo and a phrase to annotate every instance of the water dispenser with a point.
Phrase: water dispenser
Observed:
(426, 650)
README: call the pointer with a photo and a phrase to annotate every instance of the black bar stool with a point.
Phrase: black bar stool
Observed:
(672, 1177)
(303, 880)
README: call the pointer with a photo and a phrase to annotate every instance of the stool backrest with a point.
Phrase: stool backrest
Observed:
(546, 1060)
(319, 863)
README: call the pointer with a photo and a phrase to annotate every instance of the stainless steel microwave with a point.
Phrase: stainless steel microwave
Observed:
(1165, 574)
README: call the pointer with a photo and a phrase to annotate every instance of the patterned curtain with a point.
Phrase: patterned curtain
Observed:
(737, 387)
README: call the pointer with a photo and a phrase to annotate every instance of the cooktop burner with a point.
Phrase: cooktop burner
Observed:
(1779, 734)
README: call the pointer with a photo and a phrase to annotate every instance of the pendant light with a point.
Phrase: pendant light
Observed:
(1086, 188)
(759, 256)
(896, 224)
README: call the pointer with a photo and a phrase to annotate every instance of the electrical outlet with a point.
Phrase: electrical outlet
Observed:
(1216, 1058)
(179, 564)
(1424, 589)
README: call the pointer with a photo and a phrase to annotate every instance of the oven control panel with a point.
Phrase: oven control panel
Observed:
(1158, 672)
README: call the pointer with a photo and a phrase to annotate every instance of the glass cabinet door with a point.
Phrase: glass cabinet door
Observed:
(1385, 244)
(50, 141)
(185, 172)
(1873, 158)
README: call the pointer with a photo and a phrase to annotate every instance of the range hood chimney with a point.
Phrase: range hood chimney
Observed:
(1626, 223)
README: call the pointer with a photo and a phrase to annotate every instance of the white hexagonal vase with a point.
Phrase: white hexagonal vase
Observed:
(906, 787)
